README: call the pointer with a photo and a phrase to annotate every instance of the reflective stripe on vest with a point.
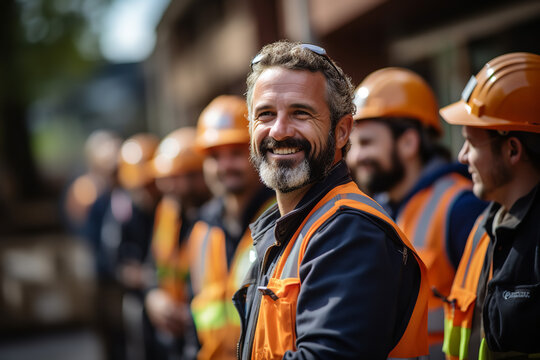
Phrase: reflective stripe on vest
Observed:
(275, 329)
(166, 230)
(460, 307)
(419, 238)
(477, 236)
(290, 269)
(198, 241)
(215, 315)
(216, 320)
(171, 258)
(424, 219)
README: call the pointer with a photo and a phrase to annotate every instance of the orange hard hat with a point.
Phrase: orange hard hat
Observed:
(135, 163)
(223, 122)
(504, 95)
(176, 154)
(397, 92)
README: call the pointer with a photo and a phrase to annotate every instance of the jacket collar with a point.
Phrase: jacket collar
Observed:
(435, 169)
(285, 226)
(516, 214)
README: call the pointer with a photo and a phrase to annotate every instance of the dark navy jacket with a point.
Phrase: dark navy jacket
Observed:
(508, 308)
(357, 292)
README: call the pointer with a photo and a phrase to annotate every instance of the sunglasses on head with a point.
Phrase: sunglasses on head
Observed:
(314, 49)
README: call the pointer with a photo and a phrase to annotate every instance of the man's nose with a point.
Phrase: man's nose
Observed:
(281, 128)
(462, 156)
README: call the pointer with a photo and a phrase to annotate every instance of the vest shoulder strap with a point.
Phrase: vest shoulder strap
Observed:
(478, 235)
(430, 204)
(413, 342)
(347, 195)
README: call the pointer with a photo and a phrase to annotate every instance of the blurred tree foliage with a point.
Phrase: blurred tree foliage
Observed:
(45, 46)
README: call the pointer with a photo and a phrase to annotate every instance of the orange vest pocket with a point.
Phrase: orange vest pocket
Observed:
(464, 298)
(458, 321)
(276, 325)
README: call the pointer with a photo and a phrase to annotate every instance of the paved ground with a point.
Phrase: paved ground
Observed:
(73, 345)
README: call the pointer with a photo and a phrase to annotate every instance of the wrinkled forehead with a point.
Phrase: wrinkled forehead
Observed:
(280, 84)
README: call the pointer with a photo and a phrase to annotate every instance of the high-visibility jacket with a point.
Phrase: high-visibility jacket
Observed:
(459, 308)
(214, 284)
(275, 330)
(170, 254)
(424, 220)
(493, 309)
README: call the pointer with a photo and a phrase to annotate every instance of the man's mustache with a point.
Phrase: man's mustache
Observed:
(269, 143)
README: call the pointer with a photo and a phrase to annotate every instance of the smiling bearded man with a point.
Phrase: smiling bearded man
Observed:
(332, 275)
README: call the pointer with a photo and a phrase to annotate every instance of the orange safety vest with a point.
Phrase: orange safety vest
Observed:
(275, 331)
(424, 221)
(459, 308)
(216, 319)
(171, 258)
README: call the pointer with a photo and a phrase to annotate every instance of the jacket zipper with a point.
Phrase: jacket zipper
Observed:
(257, 302)
(242, 313)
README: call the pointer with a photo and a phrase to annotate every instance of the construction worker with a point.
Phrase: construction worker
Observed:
(221, 243)
(178, 174)
(493, 311)
(394, 156)
(335, 278)
(120, 226)
(101, 154)
(137, 215)
(91, 193)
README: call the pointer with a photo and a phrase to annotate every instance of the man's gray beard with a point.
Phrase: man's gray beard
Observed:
(284, 177)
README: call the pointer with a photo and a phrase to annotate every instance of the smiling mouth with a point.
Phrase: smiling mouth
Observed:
(285, 151)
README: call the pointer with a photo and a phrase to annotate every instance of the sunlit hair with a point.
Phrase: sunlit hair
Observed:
(293, 56)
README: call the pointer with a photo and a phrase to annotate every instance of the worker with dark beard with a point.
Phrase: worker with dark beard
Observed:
(395, 156)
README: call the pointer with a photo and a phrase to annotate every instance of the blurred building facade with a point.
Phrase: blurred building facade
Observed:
(204, 47)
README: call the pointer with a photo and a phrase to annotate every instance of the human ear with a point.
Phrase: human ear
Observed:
(343, 130)
(514, 150)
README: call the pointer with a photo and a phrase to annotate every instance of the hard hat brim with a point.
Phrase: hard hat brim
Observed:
(458, 113)
(223, 137)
